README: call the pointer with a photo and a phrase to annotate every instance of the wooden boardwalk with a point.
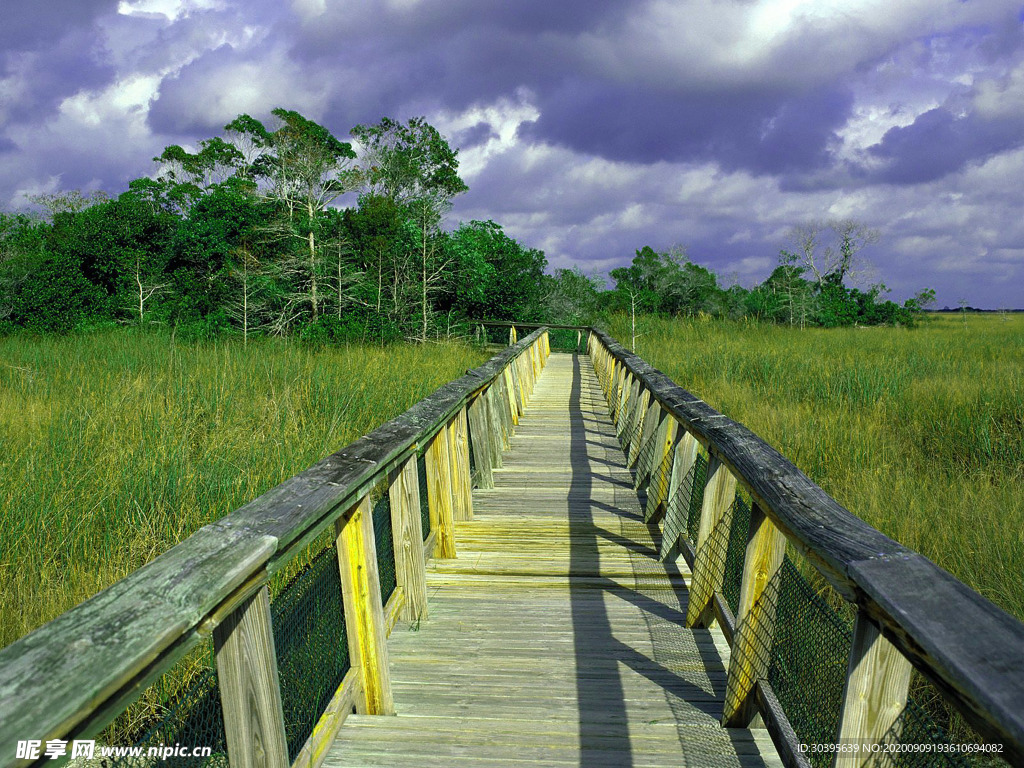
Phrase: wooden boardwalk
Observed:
(556, 638)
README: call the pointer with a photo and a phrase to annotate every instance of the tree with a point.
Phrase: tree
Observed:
(571, 297)
(305, 168)
(832, 250)
(413, 165)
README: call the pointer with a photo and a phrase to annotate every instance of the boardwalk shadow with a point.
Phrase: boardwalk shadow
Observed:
(605, 709)
(603, 715)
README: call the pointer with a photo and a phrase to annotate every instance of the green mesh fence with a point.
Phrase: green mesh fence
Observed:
(311, 644)
(645, 457)
(809, 654)
(421, 471)
(188, 714)
(385, 542)
(916, 726)
(473, 479)
(735, 553)
(696, 496)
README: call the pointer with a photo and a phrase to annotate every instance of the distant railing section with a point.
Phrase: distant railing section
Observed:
(562, 338)
(261, 632)
(827, 675)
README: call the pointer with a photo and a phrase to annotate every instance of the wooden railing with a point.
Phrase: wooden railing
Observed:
(70, 678)
(909, 612)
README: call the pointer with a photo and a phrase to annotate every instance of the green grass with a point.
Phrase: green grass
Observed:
(117, 445)
(919, 432)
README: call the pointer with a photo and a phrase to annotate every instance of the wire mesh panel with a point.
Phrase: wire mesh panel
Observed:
(311, 644)
(700, 475)
(385, 542)
(915, 726)
(735, 553)
(178, 711)
(809, 655)
(473, 479)
(421, 471)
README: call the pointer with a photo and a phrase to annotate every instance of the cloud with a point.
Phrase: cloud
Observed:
(209, 92)
(589, 128)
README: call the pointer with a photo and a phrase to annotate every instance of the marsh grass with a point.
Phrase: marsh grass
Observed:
(919, 432)
(117, 445)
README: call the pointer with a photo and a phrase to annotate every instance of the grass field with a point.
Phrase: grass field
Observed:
(117, 445)
(919, 432)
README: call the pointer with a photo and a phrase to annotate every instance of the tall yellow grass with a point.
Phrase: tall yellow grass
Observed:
(118, 445)
(920, 432)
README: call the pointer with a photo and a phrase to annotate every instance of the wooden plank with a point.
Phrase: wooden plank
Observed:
(479, 433)
(766, 548)
(249, 688)
(497, 436)
(462, 483)
(510, 394)
(407, 528)
(364, 614)
(875, 695)
(439, 494)
(709, 566)
(783, 735)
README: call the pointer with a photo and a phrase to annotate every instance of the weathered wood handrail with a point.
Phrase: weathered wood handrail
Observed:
(69, 678)
(909, 611)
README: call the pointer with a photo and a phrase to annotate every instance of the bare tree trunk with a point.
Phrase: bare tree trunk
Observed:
(424, 298)
(312, 263)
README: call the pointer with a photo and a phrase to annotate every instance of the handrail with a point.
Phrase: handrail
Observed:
(72, 676)
(972, 650)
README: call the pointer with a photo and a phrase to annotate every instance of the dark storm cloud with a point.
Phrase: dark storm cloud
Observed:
(30, 26)
(749, 128)
(46, 76)
(938, 143)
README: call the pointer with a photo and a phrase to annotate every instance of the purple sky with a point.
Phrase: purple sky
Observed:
(589, 128)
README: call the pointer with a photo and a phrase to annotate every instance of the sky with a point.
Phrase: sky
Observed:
(587, 128)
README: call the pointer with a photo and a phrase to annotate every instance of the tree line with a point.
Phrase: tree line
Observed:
(246, 236)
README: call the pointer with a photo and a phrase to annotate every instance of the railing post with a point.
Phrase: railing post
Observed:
(496, 421)
(458, 453)
(483, 445)
(407, 527)
(657, 494)
(364, 613)
(676, 514)
(627, 407)
(250, 690)
(755, 619)
(636, 424)
(709, 555)
(652, 422)
(877, 682)
(510, 392)
(439, 494)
